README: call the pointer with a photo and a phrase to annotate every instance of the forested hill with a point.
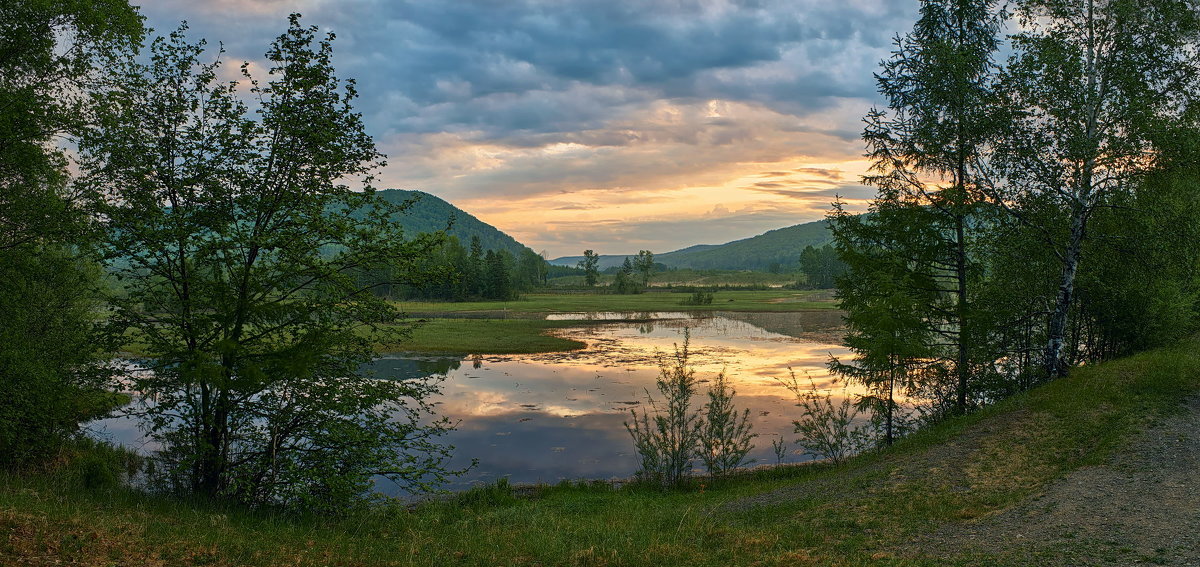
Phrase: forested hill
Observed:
(430, 213)
(781, 246)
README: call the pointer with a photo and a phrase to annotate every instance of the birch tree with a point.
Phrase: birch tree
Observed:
(1089, 88)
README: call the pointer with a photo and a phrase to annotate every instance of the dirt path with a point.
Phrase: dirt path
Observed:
(1140, 508)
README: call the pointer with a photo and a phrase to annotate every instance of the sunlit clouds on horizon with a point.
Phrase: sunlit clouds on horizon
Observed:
(614, 125)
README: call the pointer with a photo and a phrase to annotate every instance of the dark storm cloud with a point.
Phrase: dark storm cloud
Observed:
(499, 66)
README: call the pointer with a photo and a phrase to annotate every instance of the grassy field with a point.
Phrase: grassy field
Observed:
(485, 336)
(514, 327)
(769, 300)
(698, 278)
(865, 512)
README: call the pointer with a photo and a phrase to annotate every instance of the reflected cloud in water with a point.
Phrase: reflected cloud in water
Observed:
(548, 417)
(554, 416)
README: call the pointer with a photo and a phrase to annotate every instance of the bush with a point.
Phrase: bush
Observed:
(725, 434)
(666, 442)
(699, 297)
(827, 429)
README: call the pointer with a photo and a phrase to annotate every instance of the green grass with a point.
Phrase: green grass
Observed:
(687, 276)
(485, 336)
(495, 333)
(770, 300)
(861, 513)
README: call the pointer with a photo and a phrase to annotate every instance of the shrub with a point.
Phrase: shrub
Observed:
(666, 441)
(725, 435)
(827, 429)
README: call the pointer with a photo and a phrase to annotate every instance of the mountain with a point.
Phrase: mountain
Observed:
(430, 213)
(780, 246)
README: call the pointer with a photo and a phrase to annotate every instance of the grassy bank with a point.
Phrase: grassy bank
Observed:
(515, 327)
(769, 300)
(687, 276)
(863, 513)
(485, 336)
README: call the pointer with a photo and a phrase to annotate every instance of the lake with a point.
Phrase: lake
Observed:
(554, 416)
(548, 417)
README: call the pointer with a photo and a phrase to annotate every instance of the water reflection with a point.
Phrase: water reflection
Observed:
(547, 417)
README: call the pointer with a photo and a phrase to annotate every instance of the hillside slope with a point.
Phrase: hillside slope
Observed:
(956, 494)
(430, 213)
(780, 246)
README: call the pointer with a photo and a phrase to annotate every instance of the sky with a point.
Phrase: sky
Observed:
(612, 125)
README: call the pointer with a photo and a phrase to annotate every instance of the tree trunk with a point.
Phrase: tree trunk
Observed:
(1053, 363)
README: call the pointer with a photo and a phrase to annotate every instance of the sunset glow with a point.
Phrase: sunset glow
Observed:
(614, 126)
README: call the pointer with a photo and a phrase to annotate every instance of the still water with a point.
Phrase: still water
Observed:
(548, 417)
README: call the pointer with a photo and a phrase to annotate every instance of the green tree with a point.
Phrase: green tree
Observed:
(644, 264)
(497, 282)
(889, 285)
(49, 377)
(531, 269)
(1088, 89)
(667, 440)
(623, 282)
(821, 266)
(476, 266)
(939, 88)
(590, 266)
(240, 250)
(725, 436)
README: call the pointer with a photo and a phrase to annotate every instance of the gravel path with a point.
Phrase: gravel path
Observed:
(1140, 508)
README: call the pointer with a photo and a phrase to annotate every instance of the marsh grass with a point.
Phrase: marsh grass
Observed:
(726, 300)
(485, 336)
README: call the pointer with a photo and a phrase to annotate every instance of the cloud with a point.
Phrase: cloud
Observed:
(614, 104)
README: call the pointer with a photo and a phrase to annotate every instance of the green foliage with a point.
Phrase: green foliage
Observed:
(699, 297)
(666, 442)
(49, 376)
(624, 282)
(644, 265)
(821, 267)
(241, 256)
(453, 273)
(887, 293)
(589, 265)
(1022, 205)
(49, 360)
(725, 435)
(1088, 93)
(915, 260)
(1141, 288)
(827, 429)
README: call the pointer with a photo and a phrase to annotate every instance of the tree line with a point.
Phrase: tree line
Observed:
(466, 273)
(1035, 199)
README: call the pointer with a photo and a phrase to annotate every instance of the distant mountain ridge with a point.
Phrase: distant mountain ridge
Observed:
(781, 246)
(431, 213)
